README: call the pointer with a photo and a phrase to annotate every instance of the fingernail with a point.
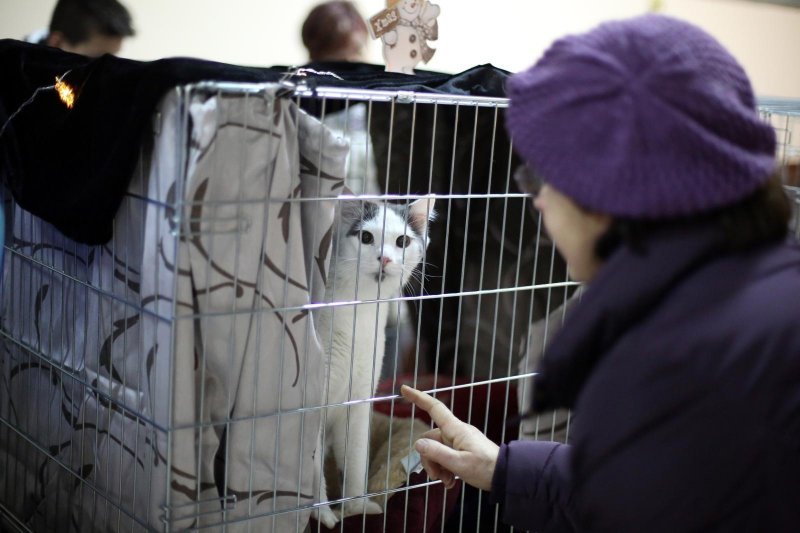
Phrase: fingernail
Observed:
(421, 445)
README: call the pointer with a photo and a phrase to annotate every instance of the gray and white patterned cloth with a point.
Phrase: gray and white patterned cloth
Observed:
(164, 373)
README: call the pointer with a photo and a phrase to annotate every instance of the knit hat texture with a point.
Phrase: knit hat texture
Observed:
(644, 118)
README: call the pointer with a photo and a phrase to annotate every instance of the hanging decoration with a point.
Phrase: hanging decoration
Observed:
(65, 92)
(405, 27)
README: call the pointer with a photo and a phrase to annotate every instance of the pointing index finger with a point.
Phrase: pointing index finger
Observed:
(438, 411)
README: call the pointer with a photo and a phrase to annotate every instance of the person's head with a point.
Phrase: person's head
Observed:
(638, 125)
(335, 31)
(89, 27)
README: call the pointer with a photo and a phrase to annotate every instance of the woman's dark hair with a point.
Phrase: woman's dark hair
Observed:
(79, 19)
(329, 28)
(760, 218)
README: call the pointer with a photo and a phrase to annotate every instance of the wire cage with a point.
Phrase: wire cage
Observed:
(178, 376)
(784, 116)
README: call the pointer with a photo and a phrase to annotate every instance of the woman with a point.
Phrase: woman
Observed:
(682, 359)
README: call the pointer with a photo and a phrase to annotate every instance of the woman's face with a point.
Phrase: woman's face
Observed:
(574, 231)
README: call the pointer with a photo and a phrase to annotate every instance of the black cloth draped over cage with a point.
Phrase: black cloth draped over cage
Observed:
(71, 167)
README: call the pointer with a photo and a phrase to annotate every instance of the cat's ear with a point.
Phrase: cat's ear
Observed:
(420, 212)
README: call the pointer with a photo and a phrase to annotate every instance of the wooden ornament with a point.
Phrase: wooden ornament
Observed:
(383, 22)
(405, 27)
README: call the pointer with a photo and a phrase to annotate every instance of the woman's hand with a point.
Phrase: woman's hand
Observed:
(454, 448)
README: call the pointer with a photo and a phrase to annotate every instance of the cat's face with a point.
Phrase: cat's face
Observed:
(383, 243)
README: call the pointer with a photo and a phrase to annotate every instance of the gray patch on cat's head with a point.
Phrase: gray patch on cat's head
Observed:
(355, 212)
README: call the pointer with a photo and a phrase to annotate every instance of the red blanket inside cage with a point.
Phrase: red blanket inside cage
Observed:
(424, 508)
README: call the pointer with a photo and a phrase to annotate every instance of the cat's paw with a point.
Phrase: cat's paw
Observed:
(325, 516)
(359, 507)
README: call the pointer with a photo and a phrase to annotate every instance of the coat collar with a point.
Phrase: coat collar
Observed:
(626, 288)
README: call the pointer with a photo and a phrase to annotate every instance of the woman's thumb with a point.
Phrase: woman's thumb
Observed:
(437, 452)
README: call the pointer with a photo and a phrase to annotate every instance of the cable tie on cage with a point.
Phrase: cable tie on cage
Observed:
(290, 72)
(303, 72)
(305, 83)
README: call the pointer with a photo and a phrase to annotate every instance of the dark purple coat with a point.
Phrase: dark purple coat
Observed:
(683, 368)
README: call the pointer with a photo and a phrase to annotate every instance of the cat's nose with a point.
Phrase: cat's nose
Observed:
(384, 260)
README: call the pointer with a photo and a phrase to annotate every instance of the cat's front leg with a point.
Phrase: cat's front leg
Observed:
(323, 513)
(355, 461)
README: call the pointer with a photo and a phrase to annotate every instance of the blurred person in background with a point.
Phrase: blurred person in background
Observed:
(88, 27)
(335, 31)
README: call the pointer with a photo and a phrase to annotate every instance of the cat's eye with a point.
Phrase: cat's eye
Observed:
(403, 241)
(367, 238)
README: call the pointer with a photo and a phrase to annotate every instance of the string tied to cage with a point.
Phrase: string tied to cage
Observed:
(297, 78)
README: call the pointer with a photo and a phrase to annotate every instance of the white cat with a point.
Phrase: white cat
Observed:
(377, 247)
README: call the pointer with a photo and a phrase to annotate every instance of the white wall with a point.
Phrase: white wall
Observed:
(508, 33)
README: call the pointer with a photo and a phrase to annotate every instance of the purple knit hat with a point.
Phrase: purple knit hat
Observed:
(648, 117)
